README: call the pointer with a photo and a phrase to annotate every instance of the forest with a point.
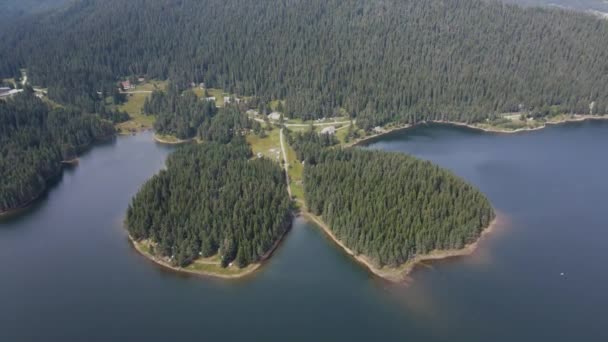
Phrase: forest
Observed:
(230, 122)
(378, 61)
(391, 207)
(309, 144)
(35, 139)
(179, 115)
(212, 200)
(185, 116)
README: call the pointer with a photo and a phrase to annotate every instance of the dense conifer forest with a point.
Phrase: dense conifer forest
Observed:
(212, 199)
(177, 114)
(230, 122)
(34, 140)
(392, 207)
(378, 61)
(185, 116)
(309, 144)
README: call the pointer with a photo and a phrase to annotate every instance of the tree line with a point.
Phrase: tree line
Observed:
(178, 114)
(309, 144)
(34, 140)
(185, 116)
(378, 61)
(212, 200)
(392, 207)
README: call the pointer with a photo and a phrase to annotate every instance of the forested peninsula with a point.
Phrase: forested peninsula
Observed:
(34, 141)
(212, 211)
(391, 208)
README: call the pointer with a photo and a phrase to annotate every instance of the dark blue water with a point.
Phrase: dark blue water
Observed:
(67, 271)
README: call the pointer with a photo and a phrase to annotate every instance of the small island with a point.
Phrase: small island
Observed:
(213, 211)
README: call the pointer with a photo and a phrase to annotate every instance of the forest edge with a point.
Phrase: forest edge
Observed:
(240, 272)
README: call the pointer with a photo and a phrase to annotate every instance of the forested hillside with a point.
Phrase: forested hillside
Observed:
(379, 61)
(392, 207)
(212, 200)
(34, 139)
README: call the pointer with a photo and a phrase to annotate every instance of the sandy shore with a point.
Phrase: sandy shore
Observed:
(575, 118)
(21, 208)
(240, 272)
(74, 161)
(378, 135)
(161, 262)
(159, 139)
(400, 273)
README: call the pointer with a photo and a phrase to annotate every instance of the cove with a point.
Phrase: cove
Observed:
(68, 271)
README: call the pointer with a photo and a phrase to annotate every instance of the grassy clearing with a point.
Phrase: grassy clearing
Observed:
(209, 266)
(134, 107)
(274, 104)
(215, 268)
(296, 172)
(151, 86)
(218, 94)
(269, 146)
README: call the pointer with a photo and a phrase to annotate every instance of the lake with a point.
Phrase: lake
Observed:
(69, 273)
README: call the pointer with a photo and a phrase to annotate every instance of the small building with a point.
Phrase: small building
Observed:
(227, 99)
(201, 85)
(276, 116)
(210, 99)
(260, 155)
(252, 112)
(329, 130)
(141, 79)
(378, 129)
(4, 90)
(126, 85)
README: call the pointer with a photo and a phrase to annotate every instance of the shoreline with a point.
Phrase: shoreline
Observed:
(48, 182)
(378, 135)
(31, 202)
(576, 118)
(495, 130)
(22, 207)
(400, 273)
(177, 141)
(242, 272)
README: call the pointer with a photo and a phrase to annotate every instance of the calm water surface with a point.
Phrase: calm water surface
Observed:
(67, 271)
